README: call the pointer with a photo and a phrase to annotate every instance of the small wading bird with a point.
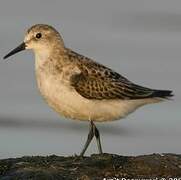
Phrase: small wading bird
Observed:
(78, 87)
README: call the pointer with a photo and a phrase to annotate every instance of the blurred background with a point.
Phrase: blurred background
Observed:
(139, 39)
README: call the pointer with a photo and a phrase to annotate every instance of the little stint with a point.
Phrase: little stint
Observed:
(80, 88)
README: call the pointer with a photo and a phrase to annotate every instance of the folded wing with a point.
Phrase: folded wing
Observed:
(99, 82)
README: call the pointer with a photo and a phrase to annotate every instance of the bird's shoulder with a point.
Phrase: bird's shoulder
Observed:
(92, 69)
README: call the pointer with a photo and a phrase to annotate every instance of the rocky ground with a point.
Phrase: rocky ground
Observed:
(96, 167)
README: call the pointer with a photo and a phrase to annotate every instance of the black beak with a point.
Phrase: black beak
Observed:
(21, 47)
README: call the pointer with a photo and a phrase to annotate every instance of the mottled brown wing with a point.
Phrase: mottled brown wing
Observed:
(99, 82)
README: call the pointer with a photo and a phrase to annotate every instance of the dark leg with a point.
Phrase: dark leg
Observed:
(93, 131)
(89, 138)
(97, 135)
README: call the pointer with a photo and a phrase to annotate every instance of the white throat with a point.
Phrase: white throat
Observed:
(41, 56)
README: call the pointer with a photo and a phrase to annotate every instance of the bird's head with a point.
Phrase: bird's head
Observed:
(39, 38)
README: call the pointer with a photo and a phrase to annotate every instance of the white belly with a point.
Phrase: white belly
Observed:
(67, 102)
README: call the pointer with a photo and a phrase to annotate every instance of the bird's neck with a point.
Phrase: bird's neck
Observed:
(48, 56)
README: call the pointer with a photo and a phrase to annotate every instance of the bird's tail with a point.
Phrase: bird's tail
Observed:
(162, 93)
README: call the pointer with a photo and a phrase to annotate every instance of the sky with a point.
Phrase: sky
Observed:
(139, 39)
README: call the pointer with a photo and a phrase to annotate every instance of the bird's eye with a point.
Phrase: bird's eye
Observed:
(38, 35)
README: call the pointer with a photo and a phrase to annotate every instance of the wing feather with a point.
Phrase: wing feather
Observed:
(99, 82)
